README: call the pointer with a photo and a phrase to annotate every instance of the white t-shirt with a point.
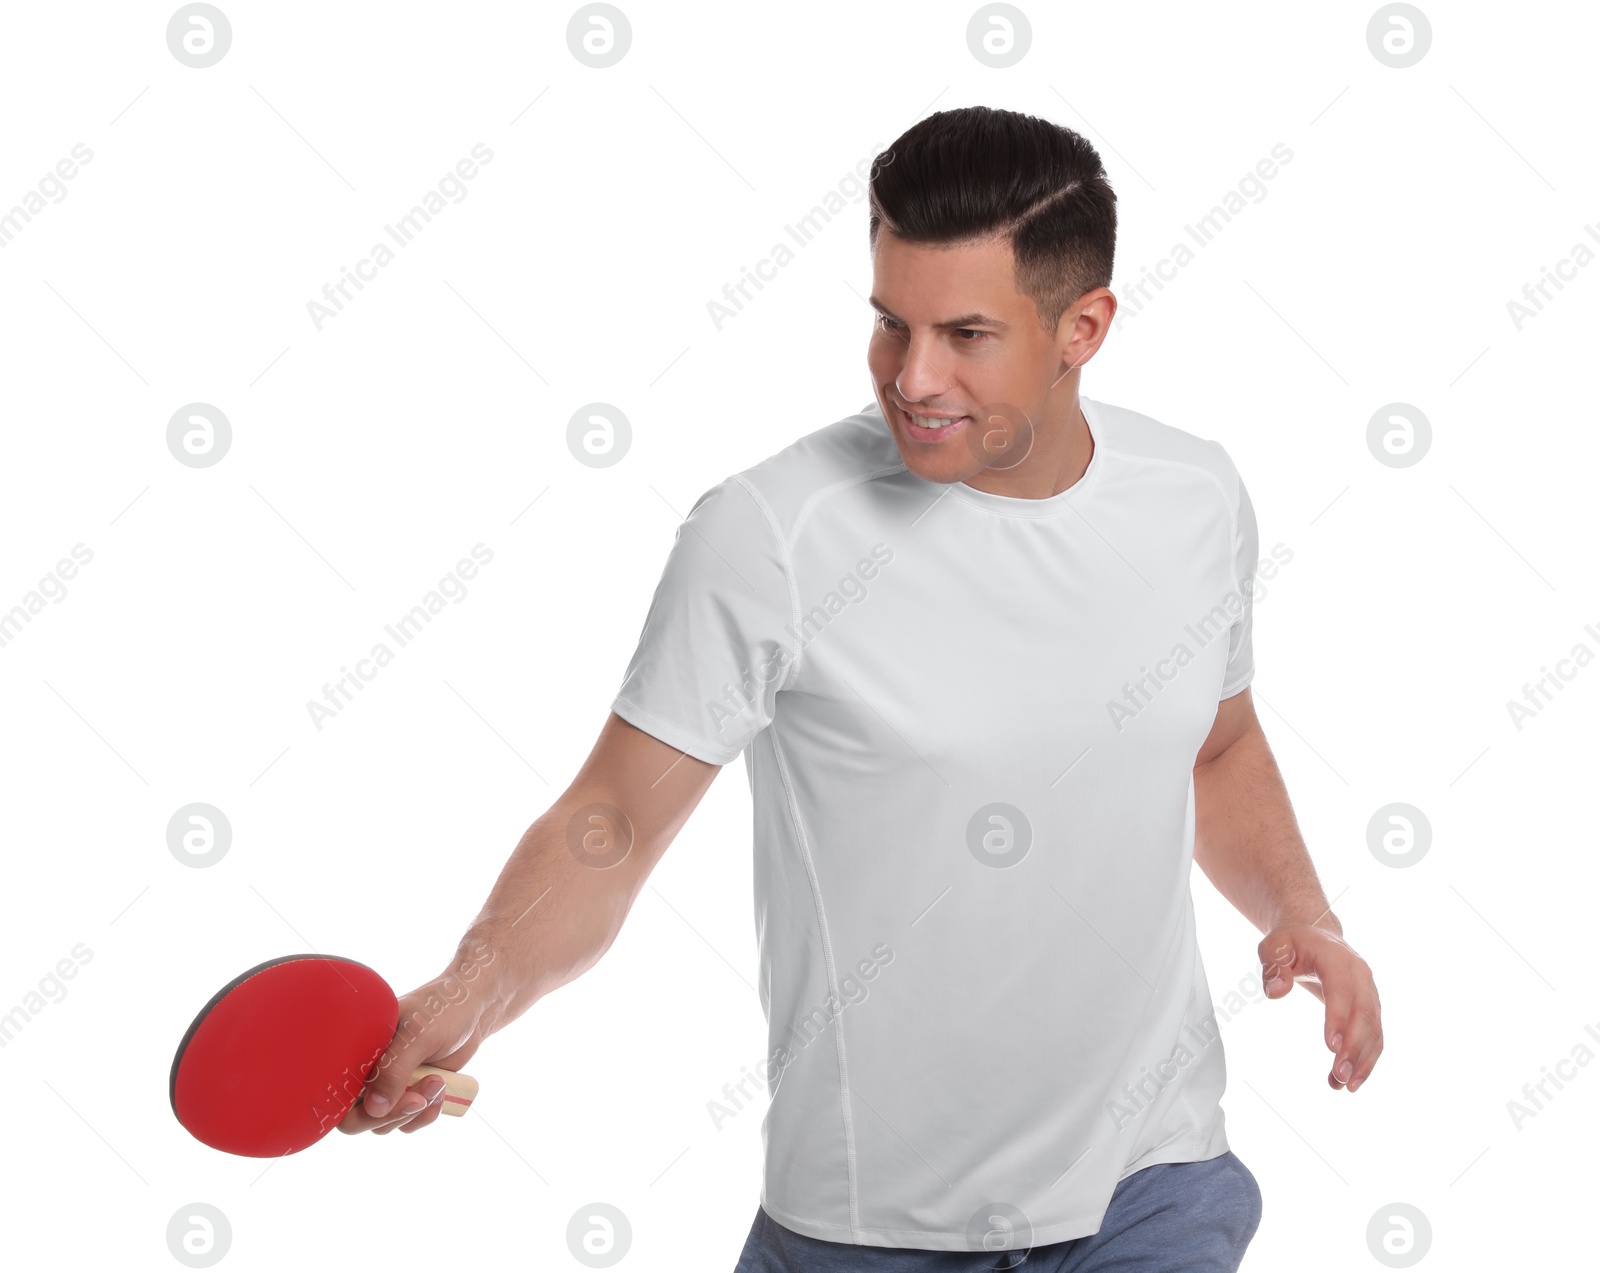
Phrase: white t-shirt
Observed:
(969, 722)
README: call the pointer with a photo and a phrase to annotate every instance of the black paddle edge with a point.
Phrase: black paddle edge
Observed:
(172, 1079)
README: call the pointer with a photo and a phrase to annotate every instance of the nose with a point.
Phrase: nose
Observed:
(921, 375)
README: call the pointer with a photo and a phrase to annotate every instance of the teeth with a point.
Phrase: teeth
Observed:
(931, 422)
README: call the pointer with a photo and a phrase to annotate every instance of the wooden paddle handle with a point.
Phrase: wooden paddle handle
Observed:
(460, 1090)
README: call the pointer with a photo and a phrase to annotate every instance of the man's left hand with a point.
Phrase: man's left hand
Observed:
(1323, 962)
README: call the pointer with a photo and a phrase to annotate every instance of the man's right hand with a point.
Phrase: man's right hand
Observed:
(442, 1023)
(632, 794)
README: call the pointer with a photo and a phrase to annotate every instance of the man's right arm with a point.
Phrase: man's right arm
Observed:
(551, 915)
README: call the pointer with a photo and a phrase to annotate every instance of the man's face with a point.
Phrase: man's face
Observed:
(953, 337)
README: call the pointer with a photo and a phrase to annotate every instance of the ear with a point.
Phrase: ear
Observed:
(1084, 326)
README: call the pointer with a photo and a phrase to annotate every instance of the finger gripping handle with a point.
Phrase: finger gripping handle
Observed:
(460, 1090)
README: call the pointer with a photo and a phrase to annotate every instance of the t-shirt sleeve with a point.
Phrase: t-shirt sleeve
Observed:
(716, 646)
(1246, 549)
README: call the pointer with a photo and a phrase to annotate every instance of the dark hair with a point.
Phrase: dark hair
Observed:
(972, 173)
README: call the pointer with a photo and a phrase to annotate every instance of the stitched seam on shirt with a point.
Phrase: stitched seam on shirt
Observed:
(1227, 504)
(1195, 970)
(1025, 516)
(787, 562)
(833, 982)
(815, 496)
(715, 748)
(806, 508)
(1230, 508)
(1136, 1033)
(1040, 1235)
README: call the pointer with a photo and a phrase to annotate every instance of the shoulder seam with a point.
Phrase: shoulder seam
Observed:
(1229, 506)
(786, 562)
(786, 545)
(855, 479)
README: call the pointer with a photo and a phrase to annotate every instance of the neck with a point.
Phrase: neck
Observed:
(1062, 447)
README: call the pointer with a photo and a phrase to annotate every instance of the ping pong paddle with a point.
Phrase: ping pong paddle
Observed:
(279, 1055)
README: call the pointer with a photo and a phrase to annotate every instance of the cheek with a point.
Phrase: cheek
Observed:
(885, 355)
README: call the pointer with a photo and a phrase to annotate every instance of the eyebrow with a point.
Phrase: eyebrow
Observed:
(965, 320)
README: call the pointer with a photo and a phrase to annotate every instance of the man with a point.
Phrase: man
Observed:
(985, 647)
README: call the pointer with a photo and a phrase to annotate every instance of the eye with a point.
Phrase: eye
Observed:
(969, 335)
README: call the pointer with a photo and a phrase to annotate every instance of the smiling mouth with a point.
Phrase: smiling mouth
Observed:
(929, 428)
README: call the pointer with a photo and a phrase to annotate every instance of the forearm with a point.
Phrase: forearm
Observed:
(548, 919)
(1247, 840)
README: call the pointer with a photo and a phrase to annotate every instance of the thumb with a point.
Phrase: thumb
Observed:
(1279, 958)
(392, 1072)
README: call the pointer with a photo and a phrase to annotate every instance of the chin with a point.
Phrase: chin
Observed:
(931, 468)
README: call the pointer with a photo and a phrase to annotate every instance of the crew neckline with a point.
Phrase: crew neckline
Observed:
(1020, 506)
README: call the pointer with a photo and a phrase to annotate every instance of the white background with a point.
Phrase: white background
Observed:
(369, 456)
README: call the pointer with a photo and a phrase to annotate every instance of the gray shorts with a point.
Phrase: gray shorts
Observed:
(1191, 1217)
